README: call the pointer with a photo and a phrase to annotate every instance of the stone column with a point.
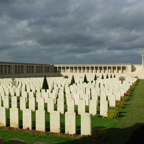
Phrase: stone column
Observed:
(83, 69)
(102, 69)
(108, 70)
(91, 69)
(64, 69)
(42, 69)
(88, 69)
(94, 69)
(121, 69)
(20, 69)
(3, 69)
(24, 69)
(34, 69)
(98, 69)
(111, 70)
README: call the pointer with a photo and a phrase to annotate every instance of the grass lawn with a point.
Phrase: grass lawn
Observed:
(119, 130)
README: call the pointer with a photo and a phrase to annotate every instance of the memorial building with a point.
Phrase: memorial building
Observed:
(9, 69)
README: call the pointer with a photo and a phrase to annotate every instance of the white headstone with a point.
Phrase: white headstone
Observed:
(86, 124)
(76, 98)
(40, 120)
(118, 96)
(31, 94)
(13, 102)
(50, 105)
(22, 103)
(53, 95)
(71, 105)
(14, 117)
(93, 107)
(55, 122)
(86, 98)
(61, 96)
(60, 105)
(6, 101)
(70, 123)
(32, 103)
(103, 108)
(41, 104)
(112, 101)
(27, 119)
(81, 106)
(3, 116)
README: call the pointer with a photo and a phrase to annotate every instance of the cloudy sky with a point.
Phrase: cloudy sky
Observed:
(72, 31)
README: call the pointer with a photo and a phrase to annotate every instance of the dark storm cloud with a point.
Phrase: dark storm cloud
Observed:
(71, 31)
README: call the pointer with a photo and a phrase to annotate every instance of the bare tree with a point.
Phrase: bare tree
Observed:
(13, 81)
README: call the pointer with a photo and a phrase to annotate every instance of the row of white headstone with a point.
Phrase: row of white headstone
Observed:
(55, 121)
(60, 105)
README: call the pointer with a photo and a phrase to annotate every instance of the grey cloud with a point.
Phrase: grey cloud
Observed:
(71, 31)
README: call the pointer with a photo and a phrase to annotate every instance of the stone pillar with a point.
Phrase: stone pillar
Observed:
(107, 70)
(24, 69)
(20, 70)
(102, 69)
(3, 69)
(111, 70)
(91, 69)
(94, 69)
(116, 69)
(83, 70)
(12, 69)
(34, 69)
(98, 69)
(42, 69)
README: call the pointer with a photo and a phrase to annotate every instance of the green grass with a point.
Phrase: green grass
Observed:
(118, 130)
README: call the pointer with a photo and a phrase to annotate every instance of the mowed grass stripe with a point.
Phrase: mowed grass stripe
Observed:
(119, 130)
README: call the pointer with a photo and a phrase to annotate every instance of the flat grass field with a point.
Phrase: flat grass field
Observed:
(119, 130)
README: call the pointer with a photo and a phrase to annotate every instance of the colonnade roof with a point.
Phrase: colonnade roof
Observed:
(92, 64)
(69, 64)
(22, 63)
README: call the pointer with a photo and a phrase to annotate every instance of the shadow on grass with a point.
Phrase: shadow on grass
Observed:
(130, 135)
(125, 105)
(121, 114)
